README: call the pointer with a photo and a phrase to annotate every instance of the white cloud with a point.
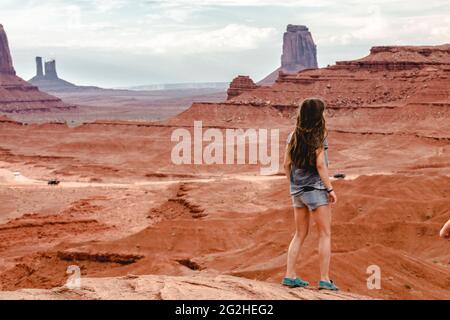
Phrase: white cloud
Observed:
(165, 24)
(377, 26)
(246, 3)
(69, 24)
(177, 29)
(232, 37)
(108, 5)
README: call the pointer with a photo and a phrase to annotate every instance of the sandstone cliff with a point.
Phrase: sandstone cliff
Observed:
(389, 77)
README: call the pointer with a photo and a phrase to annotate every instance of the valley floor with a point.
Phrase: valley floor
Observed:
(118, 215)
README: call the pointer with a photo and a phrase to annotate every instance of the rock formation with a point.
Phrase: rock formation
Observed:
(17, 95)
(299, 50)
(239, 85)
(389, 77)
(39, 71)
(6, 65)
(50, 69)
(395, 58)
(50, 82)
(299, 53)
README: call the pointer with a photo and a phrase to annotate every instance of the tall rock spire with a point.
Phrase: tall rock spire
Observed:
(299, 50)
(50, 70)
(299, 53)
(6, 65)
(39, 70)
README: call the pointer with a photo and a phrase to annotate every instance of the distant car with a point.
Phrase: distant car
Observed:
(53, 182)
(339, 175)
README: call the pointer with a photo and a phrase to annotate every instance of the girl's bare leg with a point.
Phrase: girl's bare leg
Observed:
(302, 228)
(445, 231)
(322, 218)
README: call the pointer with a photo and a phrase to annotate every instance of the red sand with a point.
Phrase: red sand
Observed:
(123, 207)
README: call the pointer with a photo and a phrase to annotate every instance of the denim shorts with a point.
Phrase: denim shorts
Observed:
(311, 199)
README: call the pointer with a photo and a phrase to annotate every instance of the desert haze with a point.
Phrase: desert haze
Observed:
(142, 227)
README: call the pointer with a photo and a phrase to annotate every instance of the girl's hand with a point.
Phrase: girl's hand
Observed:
(332, 197)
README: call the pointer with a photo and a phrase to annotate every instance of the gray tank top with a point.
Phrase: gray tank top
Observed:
(301, 178)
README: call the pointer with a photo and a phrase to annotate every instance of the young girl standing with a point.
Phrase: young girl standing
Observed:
(306, 166)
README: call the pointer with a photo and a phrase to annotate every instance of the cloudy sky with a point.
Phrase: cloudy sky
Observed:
(132, 42)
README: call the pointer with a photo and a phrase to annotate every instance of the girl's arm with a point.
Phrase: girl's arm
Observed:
(445, 231)
(287, 163)
(322, 169)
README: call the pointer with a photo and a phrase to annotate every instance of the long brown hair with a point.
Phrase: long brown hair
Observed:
(309, 134)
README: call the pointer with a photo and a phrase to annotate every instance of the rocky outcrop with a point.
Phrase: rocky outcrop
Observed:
(299, 53)
(17, 95)
(50, 82)
(239, 85)
(6, 65)
(195, 287)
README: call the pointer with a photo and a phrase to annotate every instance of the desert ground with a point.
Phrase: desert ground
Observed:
(130, 218)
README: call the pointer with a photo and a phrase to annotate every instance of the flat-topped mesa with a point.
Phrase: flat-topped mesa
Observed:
(50, 70)
(299, 49)
(383, 58)
(6, 65)
(239, 85)
(388, 77)
(423, 50)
